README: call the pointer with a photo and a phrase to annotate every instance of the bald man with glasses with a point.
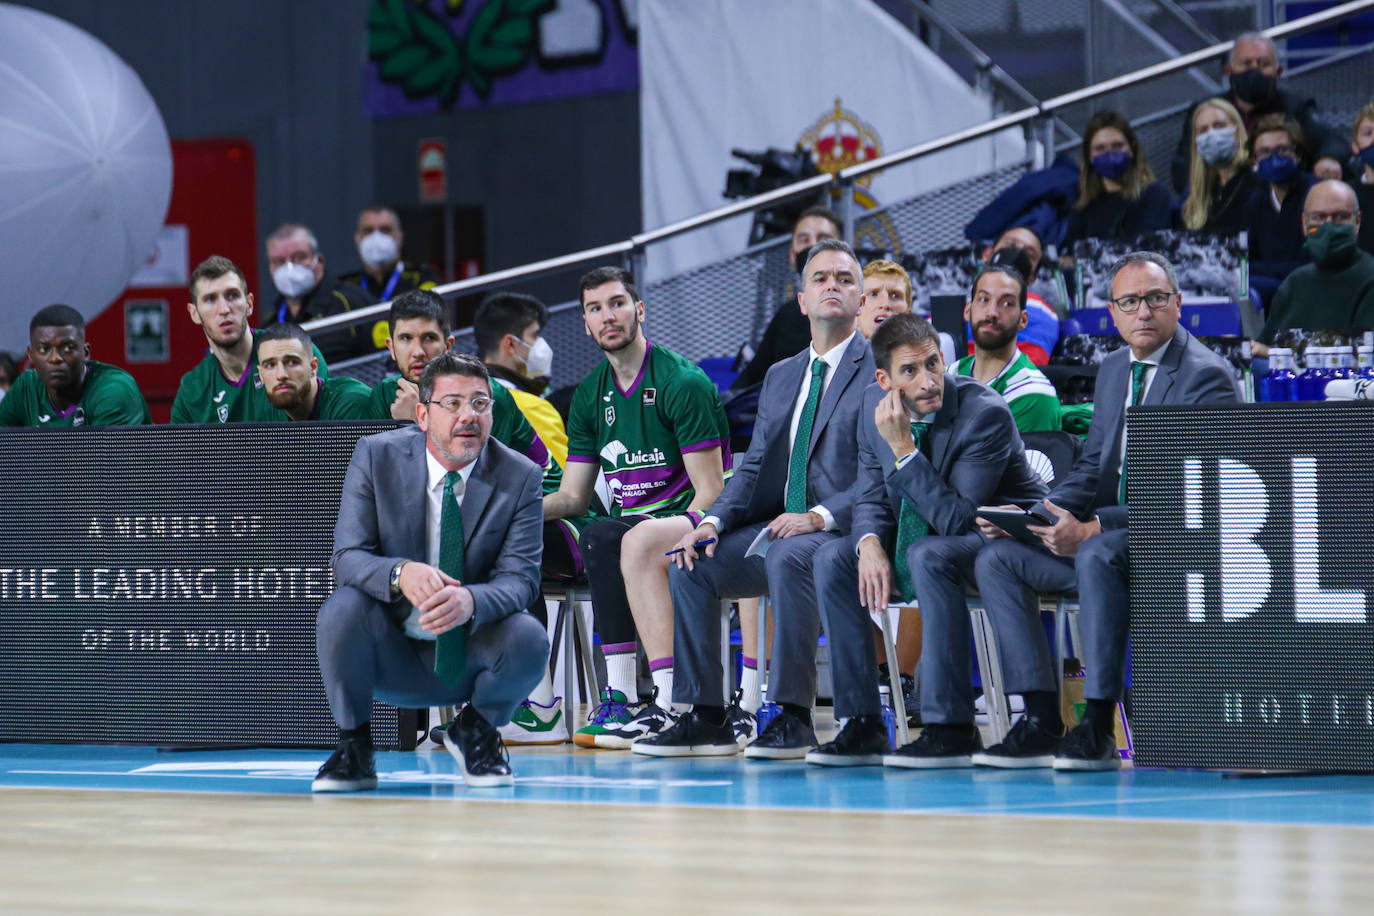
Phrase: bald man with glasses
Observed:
(1086, 547)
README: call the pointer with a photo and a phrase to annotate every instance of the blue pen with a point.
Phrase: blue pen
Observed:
(697, 544)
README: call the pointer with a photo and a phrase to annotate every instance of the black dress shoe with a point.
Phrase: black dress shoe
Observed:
(862, 742)
(479, 750)
(351, 768)
(692, 735)
(1028, 744)
(939, 746)
(1087, 748)
(787, 737)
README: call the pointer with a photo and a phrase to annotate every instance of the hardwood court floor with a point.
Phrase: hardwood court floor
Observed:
(605, 832)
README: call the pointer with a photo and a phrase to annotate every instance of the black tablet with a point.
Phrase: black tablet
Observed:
(1016, 523)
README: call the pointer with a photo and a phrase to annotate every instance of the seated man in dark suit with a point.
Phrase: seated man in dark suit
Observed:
(1086, 548)
(794, 483)
(436, 555)
(932, 449)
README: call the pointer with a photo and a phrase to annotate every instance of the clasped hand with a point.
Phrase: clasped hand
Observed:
(443, 601)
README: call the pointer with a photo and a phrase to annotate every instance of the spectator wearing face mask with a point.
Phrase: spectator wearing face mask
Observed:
(384, 275)
(1253, 72)
(306, 293)
(1362, 145)
(1273, 213)
(1220, 179)
(1335, 291)
(1118, 197)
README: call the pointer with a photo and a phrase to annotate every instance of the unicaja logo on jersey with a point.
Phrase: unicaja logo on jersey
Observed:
(615, 454)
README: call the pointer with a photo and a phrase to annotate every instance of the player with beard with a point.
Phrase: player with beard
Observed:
(289, 378)
(225, 387)
(996, 311)
(66, 387)
(653, 422)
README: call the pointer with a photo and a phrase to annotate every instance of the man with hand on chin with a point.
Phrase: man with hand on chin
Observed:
(1086, 547)
(436, 556)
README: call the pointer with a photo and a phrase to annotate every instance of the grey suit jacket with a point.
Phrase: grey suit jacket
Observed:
(975, 459)
(755, 492)
(1188, 373)
(382, 521)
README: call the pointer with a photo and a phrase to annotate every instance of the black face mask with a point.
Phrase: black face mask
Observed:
(1253, 87)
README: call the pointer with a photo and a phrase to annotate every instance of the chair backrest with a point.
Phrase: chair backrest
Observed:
(1051, 453)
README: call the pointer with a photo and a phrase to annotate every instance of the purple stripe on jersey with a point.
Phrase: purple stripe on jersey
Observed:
(659, 664)
(69, 411)
(617, 648)
(584, 459)
(650, 485)
(749, 662)
(537, 452)
(722, 444)
(643, 367)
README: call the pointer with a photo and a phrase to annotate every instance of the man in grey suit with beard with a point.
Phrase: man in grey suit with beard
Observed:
(1086, 547)
(794, 483)
(932, 449)
(436, 556)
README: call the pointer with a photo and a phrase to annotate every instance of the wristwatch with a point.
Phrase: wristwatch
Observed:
(396, 578)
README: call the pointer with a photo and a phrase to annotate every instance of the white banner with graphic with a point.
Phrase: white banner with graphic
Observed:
(840, 76)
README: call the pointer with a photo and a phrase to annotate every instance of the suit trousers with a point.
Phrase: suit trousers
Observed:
(365, 655)
(785, 575)
(1011, 577)
(941, 568)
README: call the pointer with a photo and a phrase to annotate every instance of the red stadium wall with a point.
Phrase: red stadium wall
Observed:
(213, 196)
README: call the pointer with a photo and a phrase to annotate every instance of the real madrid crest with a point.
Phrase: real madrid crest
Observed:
(838, 139)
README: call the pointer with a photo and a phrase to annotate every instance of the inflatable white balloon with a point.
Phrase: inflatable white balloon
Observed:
(85, 170)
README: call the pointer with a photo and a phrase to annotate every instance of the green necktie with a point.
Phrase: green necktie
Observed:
(796, 467)
(910, 526)
(450, 649)
(1137, 390)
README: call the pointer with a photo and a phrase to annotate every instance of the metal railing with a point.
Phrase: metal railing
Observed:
(1040, 113)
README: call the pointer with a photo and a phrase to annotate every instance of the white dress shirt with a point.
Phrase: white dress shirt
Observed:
(434, 513)
(832, 359)
(1152, 360)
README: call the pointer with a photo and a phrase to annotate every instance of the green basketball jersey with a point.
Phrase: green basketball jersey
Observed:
(1033, 401)
(206, 396)
(109, 397)
(342, 399)
(639, 436)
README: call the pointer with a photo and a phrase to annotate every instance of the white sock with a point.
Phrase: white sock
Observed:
(663, 680)
(543, 691)
(749, 699)
(621, 674)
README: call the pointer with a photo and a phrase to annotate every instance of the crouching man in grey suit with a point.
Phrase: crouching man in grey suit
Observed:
(932, 449)
(436, 556)
(1086, 548)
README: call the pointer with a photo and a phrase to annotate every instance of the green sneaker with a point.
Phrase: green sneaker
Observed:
(536, 724)
(612, 712)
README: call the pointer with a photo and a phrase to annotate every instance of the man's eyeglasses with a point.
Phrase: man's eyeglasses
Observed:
(1344, 217)
(453, 404)
(1156, 300)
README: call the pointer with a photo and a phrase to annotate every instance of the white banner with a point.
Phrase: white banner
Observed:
(839, 76)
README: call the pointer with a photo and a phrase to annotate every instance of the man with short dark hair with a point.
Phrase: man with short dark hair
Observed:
(290, 380)
(652, 421)
(508, 331)
(1086, 547)
(1273, 212)
(436, 556)
(793, 492)
(307, 292)
(788, 332)
(1020, 248)
(1253, 71)
(996, 311)
(225, 386)
(66, 387)
(932, 449)
(1336, 291)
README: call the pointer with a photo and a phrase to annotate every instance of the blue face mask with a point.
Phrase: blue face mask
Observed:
(1367, 156)
(1277, 169)
(1113, 164)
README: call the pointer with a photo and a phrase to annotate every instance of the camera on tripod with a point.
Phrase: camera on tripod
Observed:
(772, 169)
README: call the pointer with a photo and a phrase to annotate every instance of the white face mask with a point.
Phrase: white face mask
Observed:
(378, 249)
(539, 361)
(293, 280)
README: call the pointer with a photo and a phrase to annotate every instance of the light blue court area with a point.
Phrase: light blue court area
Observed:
(618, 778)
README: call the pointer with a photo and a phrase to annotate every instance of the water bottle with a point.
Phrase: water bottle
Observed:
(1278, 385)
(766, 713)
(1339, 363)
(1311, 384)
(1365, 367)
(889, 715)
